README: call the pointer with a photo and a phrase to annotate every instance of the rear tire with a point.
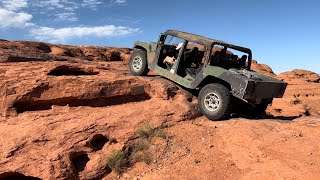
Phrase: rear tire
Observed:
(215, 101)
(138, 64)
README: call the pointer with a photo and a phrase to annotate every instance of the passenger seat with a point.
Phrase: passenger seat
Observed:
(215, 58)
(242, 61)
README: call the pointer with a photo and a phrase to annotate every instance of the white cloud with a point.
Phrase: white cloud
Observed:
(92, 4)
(51, 4)
(67, 5)
(63, 10)
(120, 1)
(12, 19)
(13, 16)
(67, 16)
(13, 5)
(63, 34)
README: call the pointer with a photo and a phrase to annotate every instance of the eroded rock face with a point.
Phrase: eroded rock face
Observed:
(24, 51)
(63, 84)
(297, 75)
(73, 115)
(301, 96)
(262, 68)
(63, 113)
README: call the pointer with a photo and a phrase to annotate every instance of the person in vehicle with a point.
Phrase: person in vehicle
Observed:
(169, 61)
(179, 46)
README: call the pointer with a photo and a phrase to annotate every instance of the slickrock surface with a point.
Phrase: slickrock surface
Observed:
(64, 109)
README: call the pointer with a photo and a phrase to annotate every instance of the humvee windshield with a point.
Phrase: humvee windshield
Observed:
(170, 40)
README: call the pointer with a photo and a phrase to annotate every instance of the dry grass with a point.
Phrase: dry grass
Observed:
(117, 161)
(140, 152)
(146, 131)
(142, 156)
(141, 145)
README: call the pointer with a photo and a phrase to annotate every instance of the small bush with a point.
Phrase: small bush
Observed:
(159, 133)
(140, 153)
(141, 145)
(117, 161)
(146, 131)
(140, 149)
(142, 156)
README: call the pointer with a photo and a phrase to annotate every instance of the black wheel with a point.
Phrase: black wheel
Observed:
(215, 101)
(138, 64)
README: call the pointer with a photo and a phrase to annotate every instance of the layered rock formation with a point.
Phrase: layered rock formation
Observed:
(301, 96)
(64, 109)
(24, 51)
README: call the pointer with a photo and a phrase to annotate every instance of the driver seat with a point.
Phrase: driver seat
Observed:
(242, 61)
(189, 55)
(215, 59)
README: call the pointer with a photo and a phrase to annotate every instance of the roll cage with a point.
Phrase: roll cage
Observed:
(208, 43)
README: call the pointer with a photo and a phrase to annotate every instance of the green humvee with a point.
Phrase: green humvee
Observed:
(212, 68)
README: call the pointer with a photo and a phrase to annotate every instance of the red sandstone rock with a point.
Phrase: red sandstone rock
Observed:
(63, 113)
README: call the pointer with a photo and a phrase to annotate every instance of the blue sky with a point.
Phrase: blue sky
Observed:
(283, 34)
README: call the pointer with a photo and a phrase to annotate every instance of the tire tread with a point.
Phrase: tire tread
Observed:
(225, 97)
(145, 68)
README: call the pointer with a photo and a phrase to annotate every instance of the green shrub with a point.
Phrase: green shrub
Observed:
(117, 161)
(144, 131)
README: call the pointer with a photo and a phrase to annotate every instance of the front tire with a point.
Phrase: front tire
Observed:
(215, 101)
(138, 64)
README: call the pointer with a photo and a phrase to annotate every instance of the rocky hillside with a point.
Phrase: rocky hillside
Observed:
(24, 51)
(301, 96)
(70, 112)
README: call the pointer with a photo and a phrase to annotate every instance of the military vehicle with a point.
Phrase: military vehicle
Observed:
(211, 67)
